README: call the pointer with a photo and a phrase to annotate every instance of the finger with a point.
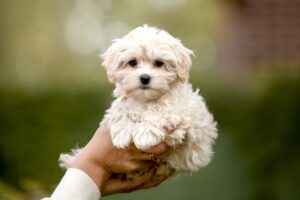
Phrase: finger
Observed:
(158, 149)
(145, 157)
(157, 157)
(161, 151)
(155, 182)
(139, 180)
(138, 165)
(150, 157)
(165, 154)
(119, 185)
(112, 186)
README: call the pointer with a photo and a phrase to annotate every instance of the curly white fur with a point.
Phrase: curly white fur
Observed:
(142, 113)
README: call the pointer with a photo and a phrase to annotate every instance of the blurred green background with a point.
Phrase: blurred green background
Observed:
(53, 90)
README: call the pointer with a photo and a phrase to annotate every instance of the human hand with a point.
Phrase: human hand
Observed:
(123, 185)
(99, 159)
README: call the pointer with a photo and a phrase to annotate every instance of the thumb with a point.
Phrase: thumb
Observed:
(121, 185)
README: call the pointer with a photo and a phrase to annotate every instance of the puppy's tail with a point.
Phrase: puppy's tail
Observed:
(66, 160)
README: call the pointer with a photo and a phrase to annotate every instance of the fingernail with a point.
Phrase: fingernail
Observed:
(155, 166)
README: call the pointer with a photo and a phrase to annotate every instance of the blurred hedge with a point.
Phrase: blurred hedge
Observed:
(262, 120)
(36, 127)
(259, 115)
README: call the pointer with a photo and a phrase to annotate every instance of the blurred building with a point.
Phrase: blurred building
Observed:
(262, 32)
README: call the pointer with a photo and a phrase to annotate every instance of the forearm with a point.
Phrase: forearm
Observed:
(76, 185)
(84, 180)
(98, 174)
(90, 159)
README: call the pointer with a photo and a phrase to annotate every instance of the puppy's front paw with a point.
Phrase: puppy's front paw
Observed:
(120, 136)
(177, 137)
(172, 122)
(146, 136)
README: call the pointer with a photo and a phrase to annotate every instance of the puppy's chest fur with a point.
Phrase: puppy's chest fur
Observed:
(179, 118)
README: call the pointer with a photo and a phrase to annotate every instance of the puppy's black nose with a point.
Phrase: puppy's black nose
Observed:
(145, 79)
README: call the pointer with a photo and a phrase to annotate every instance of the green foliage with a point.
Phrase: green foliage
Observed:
(263, 124)
(37, 127)
(256, 153)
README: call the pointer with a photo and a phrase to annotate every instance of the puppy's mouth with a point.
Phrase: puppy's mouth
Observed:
(145, 87)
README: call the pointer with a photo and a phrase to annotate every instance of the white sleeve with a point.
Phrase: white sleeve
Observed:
(75, 185)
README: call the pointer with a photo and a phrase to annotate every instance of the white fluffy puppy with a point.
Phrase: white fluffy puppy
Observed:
(150, 70)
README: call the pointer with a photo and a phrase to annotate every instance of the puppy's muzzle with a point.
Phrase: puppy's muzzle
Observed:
(145, 79)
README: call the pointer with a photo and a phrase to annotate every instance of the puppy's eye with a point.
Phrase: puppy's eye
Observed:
(133, 63)
(158, 63)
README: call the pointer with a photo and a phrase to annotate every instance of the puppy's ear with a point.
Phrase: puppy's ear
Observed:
(111, 60)
(184, 61)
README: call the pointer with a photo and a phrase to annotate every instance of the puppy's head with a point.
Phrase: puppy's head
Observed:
(146, 62)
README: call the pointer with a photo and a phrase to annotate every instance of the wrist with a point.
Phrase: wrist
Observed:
(95, 171)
